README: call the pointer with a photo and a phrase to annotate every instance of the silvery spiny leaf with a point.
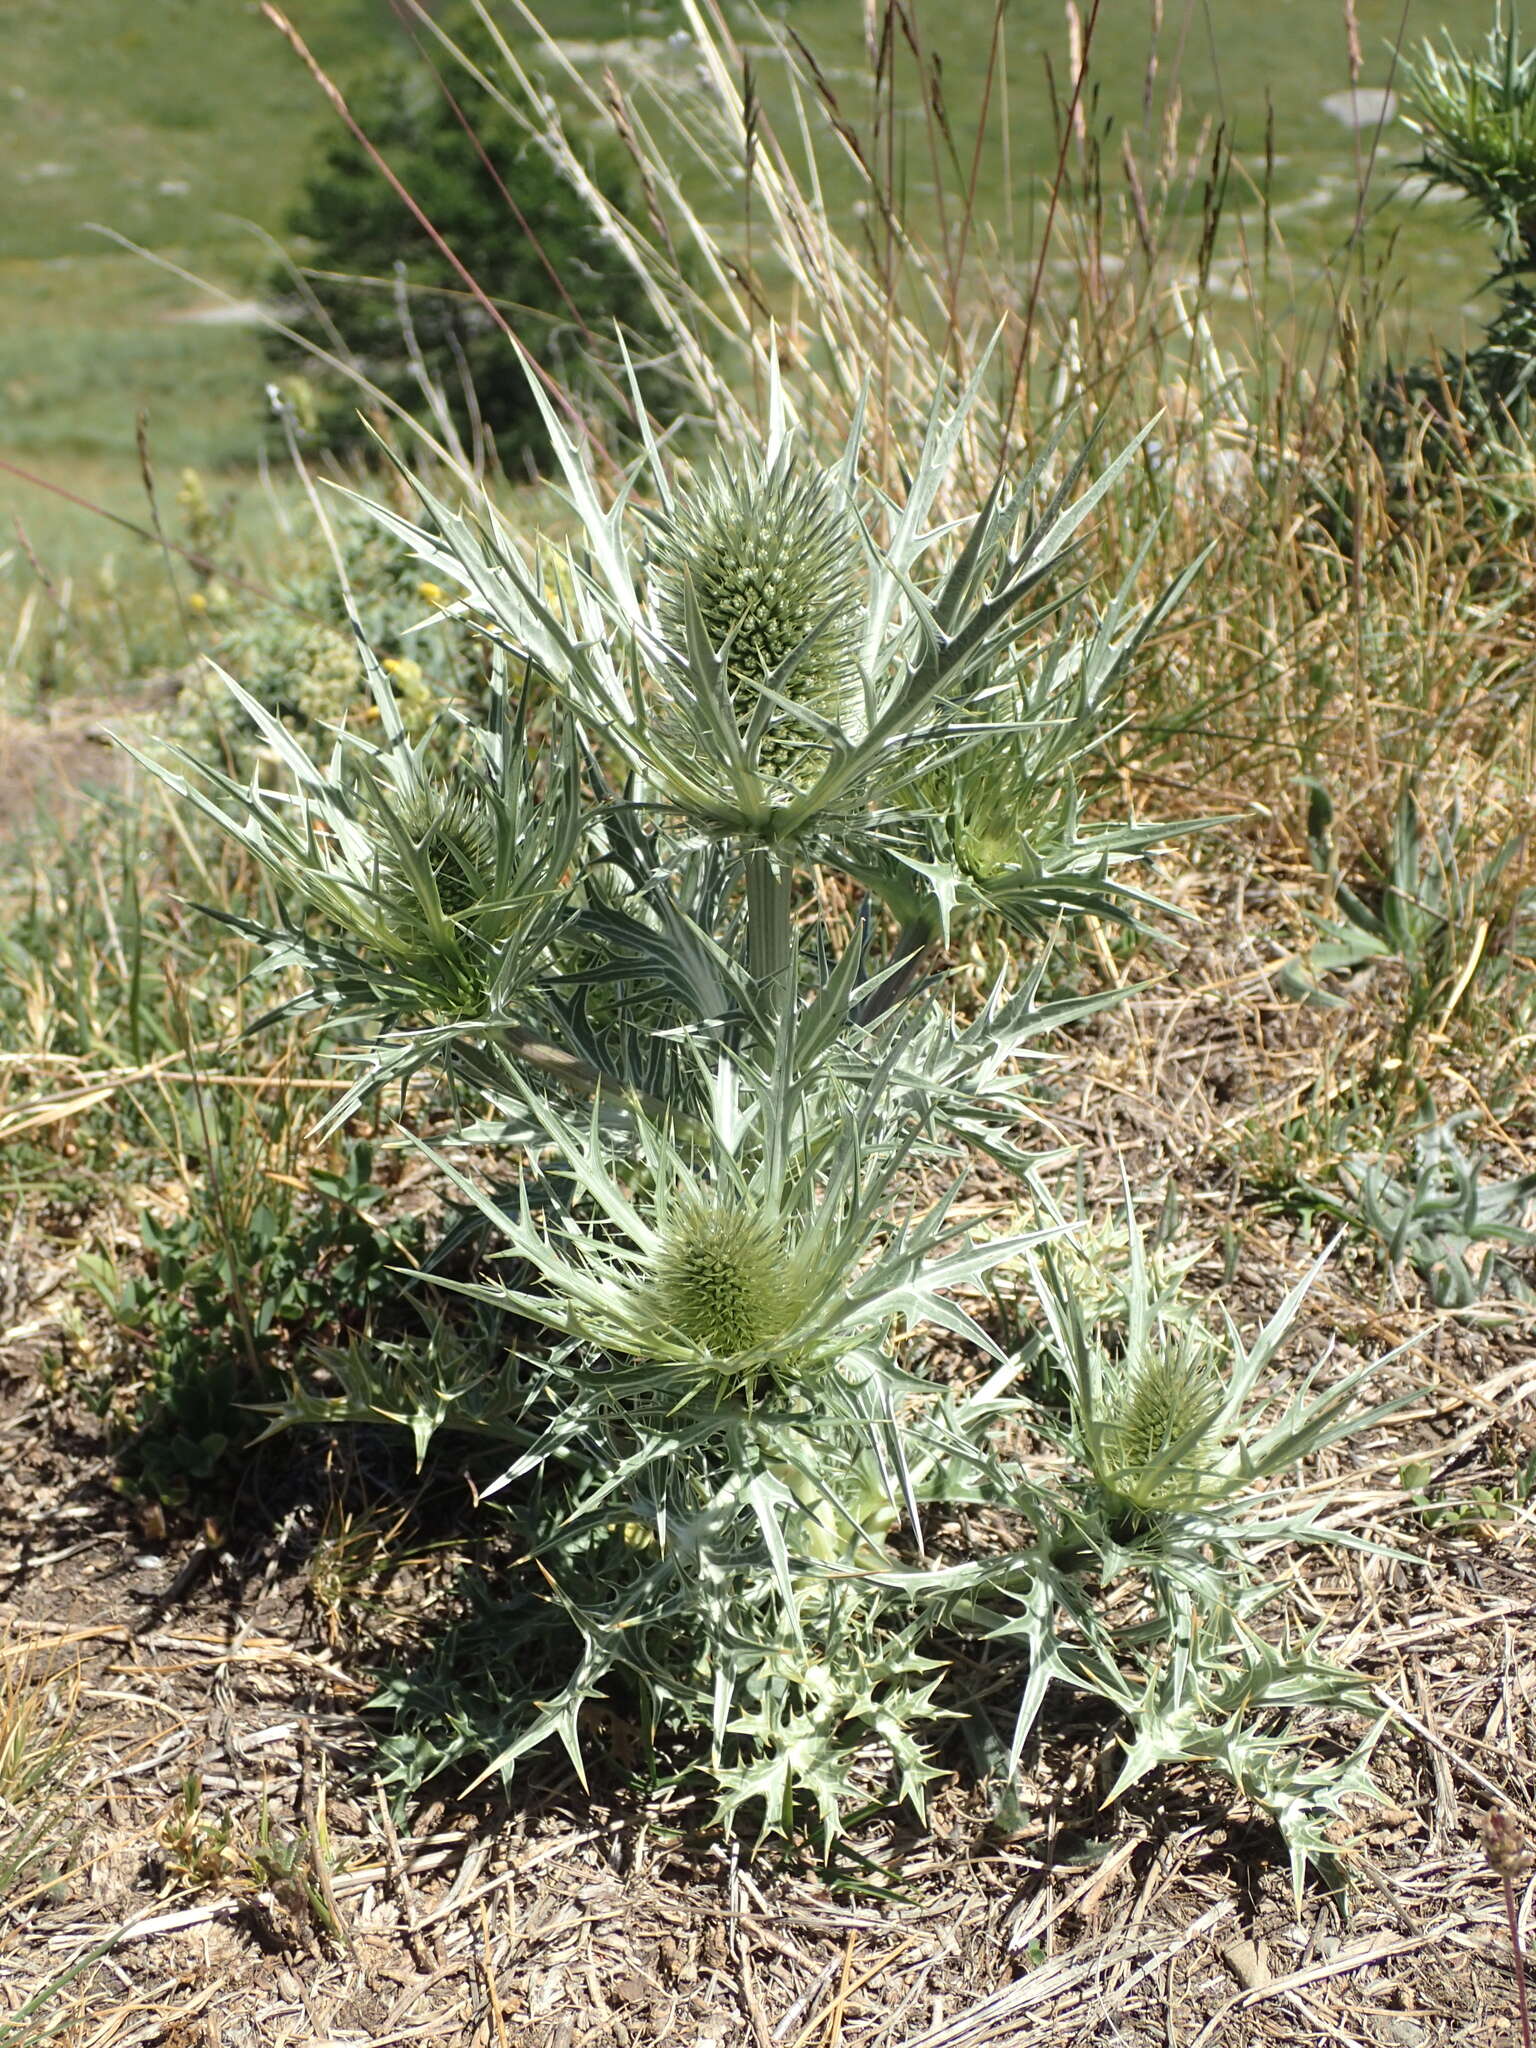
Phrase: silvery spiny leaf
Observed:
(440, 888)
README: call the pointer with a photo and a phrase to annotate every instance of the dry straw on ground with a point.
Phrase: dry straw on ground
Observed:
(556, 1920)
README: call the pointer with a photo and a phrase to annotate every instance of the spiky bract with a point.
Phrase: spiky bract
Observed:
(452, 827)
(1001, 792)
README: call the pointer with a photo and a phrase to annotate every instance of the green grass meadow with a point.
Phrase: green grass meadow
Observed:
(181, 127)
(184, 127)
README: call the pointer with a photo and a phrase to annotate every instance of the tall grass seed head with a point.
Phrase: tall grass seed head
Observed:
(772, 557)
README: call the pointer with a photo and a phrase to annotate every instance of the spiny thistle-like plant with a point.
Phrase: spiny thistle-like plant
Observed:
(437, 883)
(451, 827)
(1475, 115)
(710, 1286)
(1027, 861)
(1152, 1437)
(1463, 1234)
(741, 1132)
(1172, 1422)
(1176, 1450)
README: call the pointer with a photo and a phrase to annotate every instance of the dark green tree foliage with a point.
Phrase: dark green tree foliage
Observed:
(1475, 116)
(372, 274)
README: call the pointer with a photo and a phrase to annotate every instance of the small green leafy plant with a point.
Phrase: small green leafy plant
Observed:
(1442, 942)
(1488, 1506)
(1428, 911)
(226, 1294)
(1462, 1234)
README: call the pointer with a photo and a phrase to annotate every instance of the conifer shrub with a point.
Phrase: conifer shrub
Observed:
(374, 285)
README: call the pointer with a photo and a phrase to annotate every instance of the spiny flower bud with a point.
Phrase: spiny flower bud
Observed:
(1164, 1403)
(1171, 1398)
(989, 845)
(997, 794)
(726, 1280)
(454, 830)
(771, 557)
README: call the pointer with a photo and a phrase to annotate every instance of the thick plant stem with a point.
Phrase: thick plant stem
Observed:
(770, 926)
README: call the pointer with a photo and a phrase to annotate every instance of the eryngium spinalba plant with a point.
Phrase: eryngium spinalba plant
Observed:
(741, 1143)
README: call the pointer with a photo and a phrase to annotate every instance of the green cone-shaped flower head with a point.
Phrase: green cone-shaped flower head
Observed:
(454, 830)
(727, 1281)
(1167, 1402)
(772, 557)
(1154, 1452)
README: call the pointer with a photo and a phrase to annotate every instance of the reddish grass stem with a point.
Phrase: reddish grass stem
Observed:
(1050, 216)
(1509, 1857)
(1520, 1985)
(334, 94)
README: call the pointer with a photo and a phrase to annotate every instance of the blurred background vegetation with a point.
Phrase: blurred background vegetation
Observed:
(190, 128)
